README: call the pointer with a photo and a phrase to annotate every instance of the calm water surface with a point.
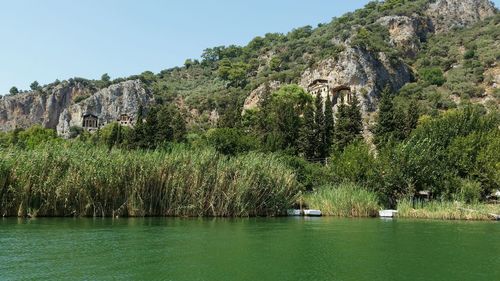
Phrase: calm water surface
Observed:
(248, 249)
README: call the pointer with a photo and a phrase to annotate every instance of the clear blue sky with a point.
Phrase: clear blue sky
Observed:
(58, 39)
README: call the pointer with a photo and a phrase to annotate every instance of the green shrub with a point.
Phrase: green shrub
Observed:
(470, 191)
(80, 98)
(230, 141)
(432, 76)
(356, 163)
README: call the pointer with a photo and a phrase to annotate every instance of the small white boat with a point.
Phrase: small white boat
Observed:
(312, 213)
(294, 212)
(387, 213)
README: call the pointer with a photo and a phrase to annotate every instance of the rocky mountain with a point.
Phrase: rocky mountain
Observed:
(366, 72)
(364, 51)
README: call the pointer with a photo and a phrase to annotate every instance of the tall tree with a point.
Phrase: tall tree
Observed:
(283, 118)
(355, 118)
(349, 125)
(150, 128)
(386, 120)
(319, 127)
(137, 136)
(342, 135)
(307, 139)
(411, 119)
(329, 124)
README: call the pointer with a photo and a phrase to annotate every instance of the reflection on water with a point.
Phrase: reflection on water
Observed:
(292, 248)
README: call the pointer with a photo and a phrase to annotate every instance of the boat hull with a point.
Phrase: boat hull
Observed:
(294, 212)
(312, 213)
(387, 213)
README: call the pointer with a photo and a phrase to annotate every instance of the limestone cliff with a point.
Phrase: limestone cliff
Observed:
(62, 106)
(448, 14)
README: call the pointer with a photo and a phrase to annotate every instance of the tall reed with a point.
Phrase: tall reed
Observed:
(446, 210)
(344, 200)
(82, 180)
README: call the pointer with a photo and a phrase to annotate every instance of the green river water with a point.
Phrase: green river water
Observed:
(248, 249)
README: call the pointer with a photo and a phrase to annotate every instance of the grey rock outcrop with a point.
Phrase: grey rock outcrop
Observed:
(42, 107)
(448, 14)
(62, 106)
(253, 100)
(107, 104)
(363, 72)
(407, 33)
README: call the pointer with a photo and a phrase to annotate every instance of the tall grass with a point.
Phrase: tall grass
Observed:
(81, 180)
(345, 200)
(447, 210)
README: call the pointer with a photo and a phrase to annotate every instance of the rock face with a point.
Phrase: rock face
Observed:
(55, 107)
(448, 14)
(27, 109)
(253, 100)
(364, 73)
(107, 104)
(407, 33)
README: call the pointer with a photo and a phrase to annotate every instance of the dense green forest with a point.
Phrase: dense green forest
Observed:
(430, 135)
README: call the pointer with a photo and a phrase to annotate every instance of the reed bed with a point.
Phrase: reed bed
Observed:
(447, 210)
(345, 200)
(82, 180)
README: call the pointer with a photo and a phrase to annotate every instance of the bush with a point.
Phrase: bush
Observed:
(469, 191)
(35, 136)
(230, 141)
(354, 164)
(432, 76)
(80, 98)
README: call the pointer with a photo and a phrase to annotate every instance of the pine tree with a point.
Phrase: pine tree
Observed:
(319, 127)
(341, 134)
(329, 124)
(149, 139)
(386, 120)
(307, 139)
(355, 118)
(411, 118)
(163, 129)
(137, 136)
(349, 125)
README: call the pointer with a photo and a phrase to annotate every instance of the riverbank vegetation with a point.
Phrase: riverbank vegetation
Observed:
(344, 200)
(84, 180)
(446, 210)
